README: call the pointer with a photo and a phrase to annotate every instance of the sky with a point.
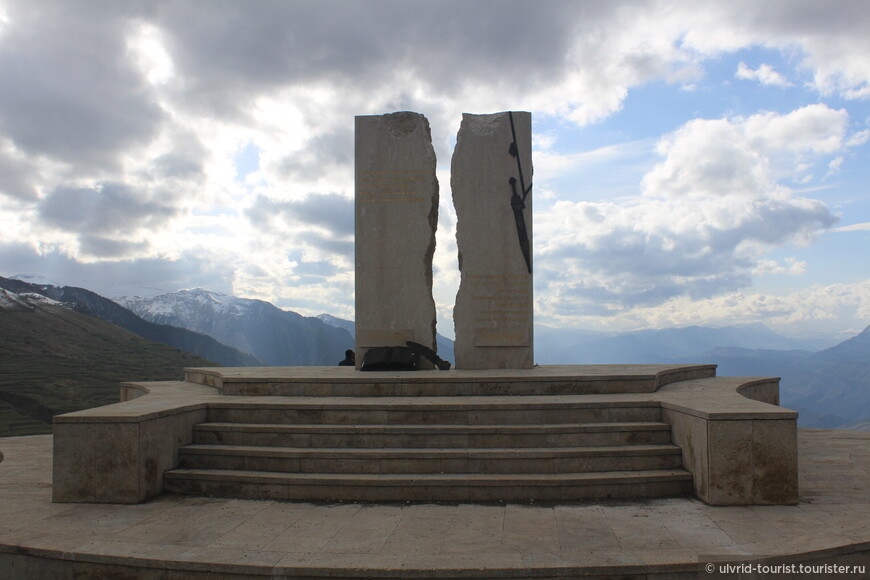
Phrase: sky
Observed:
(695, 163)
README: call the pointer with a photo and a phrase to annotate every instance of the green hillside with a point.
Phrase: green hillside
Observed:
(54, 360)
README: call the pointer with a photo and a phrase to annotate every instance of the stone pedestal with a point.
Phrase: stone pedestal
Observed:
(493, 316)
(396, 217)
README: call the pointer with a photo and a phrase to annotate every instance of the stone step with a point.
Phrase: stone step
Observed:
(435, 411)
(539, 381)
(429, 487)
(427, 436)
(411, 460)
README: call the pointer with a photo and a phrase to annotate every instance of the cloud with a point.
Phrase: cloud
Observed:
(707, 214)
(69, 92)
(106, 208)
(144, 276)
(813, 311)
(110, 248)
(831, 45)
(764, 74)
(121, 123)
(744, 156)
(16, 173)
(331, 212)
(791, 267)
(853, 228)
(318, 269)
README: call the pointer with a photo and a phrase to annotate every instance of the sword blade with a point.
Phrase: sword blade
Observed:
(518, 206)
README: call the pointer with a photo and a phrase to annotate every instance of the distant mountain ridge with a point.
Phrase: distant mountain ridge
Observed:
(829, 387)
(92, 304)
(564, 346)
(277, 337)
(56, 360)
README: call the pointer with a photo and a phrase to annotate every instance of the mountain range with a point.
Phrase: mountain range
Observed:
(276, 337)
(56, 360)
(830, 386)
(92, 304)
(571, 346)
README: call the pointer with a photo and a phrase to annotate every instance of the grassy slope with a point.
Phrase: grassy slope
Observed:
(53, 360)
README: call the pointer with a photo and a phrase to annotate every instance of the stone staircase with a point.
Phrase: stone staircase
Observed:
(446, 448)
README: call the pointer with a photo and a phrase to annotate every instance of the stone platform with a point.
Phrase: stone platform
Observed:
(326, 434)
(195, 538)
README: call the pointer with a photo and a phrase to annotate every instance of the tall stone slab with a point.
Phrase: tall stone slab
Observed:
(396, 216)
(491, 168)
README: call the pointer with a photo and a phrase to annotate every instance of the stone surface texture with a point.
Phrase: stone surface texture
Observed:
(118, 453)
(208, 538)
(493, 315)
(396, 210)
(737, 457)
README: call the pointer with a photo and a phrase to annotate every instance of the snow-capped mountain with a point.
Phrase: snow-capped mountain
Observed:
(277, 337)
(91, 304)
(12, 302)
(55, 359)
(337, 322)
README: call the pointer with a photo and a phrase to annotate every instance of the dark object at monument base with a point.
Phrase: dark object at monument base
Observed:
(429, 354)
(390, 358)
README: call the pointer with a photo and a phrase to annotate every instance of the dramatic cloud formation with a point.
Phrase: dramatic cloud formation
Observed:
(175, 144)
(708, 214)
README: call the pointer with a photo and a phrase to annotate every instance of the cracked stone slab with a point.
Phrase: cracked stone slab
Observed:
(396, 208)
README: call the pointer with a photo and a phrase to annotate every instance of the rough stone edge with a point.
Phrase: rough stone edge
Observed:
(390, 121)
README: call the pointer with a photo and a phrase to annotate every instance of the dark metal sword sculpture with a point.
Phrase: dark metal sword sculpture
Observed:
(518, 202)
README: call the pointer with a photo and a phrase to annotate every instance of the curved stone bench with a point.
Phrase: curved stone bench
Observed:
(739, 445)
(118, 453)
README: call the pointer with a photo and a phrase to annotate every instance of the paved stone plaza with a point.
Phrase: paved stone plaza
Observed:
(196, 537)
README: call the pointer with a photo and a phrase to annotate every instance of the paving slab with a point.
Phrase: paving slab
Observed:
(191, 537)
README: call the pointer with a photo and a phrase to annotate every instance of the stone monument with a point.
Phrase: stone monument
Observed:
(396, 216)
(491, 178)
(499, 431)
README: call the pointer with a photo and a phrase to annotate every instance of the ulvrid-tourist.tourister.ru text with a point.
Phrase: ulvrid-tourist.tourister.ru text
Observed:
(754, 568)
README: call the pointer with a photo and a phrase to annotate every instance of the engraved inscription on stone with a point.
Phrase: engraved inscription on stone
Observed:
(500, 304)
(389, 186)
